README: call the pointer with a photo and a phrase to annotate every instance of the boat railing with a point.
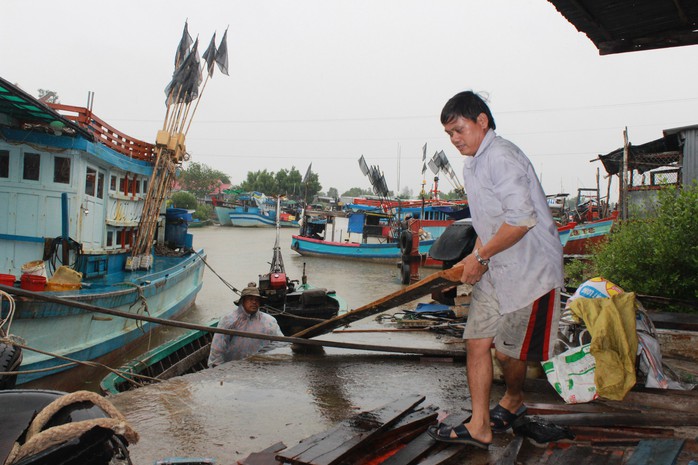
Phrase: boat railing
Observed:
(106, 134)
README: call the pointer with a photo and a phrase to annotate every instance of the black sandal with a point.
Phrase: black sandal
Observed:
(501, 419)
(442, 433)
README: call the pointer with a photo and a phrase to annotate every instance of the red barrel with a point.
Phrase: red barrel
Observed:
(7, 279)
(32, 282)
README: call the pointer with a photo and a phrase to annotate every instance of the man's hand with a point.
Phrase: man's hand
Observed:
(472, 269)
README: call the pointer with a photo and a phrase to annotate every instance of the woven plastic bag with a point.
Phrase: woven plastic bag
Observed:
(571, 373)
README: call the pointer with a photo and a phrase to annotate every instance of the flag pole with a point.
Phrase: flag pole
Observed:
(197, 103)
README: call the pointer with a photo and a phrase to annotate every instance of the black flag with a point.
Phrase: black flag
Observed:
(307, 174)
(184, 86)
(222, 54)
(363, 165)
(183, 47)
(209, 55)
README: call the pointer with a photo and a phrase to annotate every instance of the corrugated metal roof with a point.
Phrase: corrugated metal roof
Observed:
(618, 26)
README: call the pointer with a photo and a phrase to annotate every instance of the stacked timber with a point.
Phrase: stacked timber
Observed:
(396, 434)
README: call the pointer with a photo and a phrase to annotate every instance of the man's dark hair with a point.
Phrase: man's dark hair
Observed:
(468, 105)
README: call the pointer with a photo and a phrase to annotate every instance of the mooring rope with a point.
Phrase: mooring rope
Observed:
(10, 311)
(230, 286)
(18, 342)
(235, 332)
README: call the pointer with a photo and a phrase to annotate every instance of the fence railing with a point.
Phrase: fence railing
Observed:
(106, 134)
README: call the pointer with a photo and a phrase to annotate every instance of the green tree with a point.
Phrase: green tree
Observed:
(333, 192)
(406, 193)
(184, 200)
(203, 212)
(289, 182)
(260, 181)
(201, 179)
(658, 253)
(357, 192)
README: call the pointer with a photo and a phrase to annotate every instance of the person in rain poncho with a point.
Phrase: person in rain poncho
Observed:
(246, 317)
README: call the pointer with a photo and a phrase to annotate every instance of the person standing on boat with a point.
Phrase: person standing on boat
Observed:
(516, 269)
(246, 317)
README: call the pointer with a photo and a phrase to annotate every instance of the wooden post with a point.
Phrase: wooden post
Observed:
(624, 183)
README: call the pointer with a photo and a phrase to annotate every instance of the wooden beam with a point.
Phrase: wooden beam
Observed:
(408, 294)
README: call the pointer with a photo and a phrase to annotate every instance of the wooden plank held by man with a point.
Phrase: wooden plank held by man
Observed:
(426, 286)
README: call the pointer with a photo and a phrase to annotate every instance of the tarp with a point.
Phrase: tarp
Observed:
(657, 153)
(356, 223)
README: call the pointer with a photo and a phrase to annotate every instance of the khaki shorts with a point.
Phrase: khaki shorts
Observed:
(525, 334)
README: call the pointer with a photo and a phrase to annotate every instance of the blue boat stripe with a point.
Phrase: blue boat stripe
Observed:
(14, 237)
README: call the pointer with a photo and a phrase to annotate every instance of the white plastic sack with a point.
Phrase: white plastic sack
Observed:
(571, 373)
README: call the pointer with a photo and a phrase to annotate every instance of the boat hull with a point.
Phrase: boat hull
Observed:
(256, 220)
(223, 214)
(187, 353)
(388, 252)
(583, 237)
(79, 334)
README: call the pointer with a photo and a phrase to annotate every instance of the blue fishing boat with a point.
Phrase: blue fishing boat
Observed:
(76, 198)
(376, 230)
(254, 210)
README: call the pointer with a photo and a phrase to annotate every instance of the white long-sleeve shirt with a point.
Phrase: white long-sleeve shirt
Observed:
(502, 187)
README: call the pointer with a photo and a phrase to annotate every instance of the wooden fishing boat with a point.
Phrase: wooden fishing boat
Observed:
(195, 223)
(73, 191)
(187, 353)
(564, 232)
(584, 236)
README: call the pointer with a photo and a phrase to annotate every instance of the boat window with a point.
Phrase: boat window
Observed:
(112, 182)
(122, 185)
(32, 166)
(4, 163)
(145, 186)
(138, 187)
(90, 181)
(61, 170)
(100, 185)
(110, 238)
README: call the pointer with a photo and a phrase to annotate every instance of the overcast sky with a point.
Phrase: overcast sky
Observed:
(326, 81)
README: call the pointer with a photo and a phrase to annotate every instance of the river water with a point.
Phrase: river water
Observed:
(240, 255)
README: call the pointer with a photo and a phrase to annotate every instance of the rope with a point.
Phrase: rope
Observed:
(10, 312)
(127, 375)
(37, 441)
(230, 286)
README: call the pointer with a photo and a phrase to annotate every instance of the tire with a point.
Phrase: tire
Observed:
(405, 273)
(406, 242)
(10, 359)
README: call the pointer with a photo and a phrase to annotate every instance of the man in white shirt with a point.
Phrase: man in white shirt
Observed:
(515, 268)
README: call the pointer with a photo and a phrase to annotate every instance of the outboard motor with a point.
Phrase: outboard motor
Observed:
(452, 246)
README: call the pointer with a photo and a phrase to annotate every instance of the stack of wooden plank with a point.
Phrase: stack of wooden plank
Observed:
(392, 434)
(395, 434)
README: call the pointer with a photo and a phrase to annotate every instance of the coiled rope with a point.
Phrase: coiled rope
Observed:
(37, 440)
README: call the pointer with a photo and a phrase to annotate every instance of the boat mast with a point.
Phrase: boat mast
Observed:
(170, 150)
(277, 262)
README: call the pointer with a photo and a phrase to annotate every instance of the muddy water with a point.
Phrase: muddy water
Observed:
(240, 255)
(245, 406)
